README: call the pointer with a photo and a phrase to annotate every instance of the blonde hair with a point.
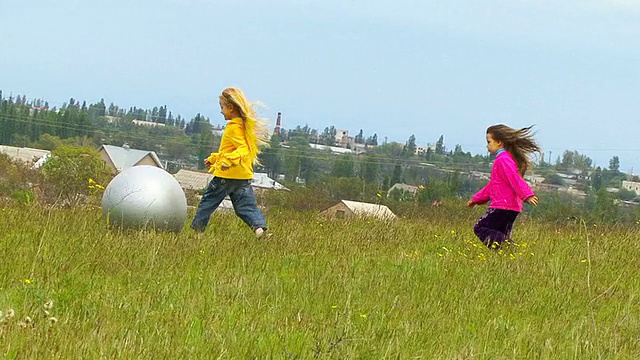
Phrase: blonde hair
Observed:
(256, 132)
(518, 142)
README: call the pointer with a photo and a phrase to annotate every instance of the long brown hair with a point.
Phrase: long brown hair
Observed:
(518, 142)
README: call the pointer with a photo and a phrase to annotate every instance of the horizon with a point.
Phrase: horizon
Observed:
(426, 69)
(381, 139)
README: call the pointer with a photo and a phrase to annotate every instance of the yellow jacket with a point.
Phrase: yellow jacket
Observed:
(233, 152)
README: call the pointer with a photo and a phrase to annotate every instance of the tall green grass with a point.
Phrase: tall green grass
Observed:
(329, 289)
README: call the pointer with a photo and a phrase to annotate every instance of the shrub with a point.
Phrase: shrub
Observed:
(74, 173)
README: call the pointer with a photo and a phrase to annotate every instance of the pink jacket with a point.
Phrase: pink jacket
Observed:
(506, 189)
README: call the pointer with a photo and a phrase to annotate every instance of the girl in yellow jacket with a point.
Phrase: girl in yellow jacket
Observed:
(232, 165)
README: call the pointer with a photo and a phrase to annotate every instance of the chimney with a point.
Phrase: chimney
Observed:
(278, 123)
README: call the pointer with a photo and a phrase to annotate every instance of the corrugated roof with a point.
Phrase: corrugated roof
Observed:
(404, 187)
(124, 158)
(367, 209)
(25, 154)
(193, 180)
(262, 180)
(334, 149)
(197, 180)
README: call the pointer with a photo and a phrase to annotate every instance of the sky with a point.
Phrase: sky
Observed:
(395, 68)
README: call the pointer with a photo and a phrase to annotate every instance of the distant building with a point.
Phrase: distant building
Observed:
(360, 148)
(217, 130)
(335, 149)
(24, 154)
(263, 181)
(199, 180)
(119, 158)
(193, 180)
(278, 124)
(631, 186)
(111, 119)
(403, 188)
(340, 134)
(346, 208)
(534, 180)
(146, 123)
(422, 150)
(343, 139)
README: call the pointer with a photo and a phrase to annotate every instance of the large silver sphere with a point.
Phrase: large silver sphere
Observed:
(145, 196)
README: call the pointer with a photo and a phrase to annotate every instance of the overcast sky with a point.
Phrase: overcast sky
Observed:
(394, 68)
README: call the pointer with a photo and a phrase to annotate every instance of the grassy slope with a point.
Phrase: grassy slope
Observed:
(329, 289)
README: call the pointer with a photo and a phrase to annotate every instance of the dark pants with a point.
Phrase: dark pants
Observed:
(494, 227)
(242, 197)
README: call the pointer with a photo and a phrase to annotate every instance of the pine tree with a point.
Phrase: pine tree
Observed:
(440, 145)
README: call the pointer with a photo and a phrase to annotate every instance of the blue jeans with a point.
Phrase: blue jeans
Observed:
(242, 197)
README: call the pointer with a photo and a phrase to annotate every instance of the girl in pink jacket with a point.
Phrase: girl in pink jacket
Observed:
(507, 189)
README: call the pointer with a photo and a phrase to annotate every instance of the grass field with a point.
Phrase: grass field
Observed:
(360, 289)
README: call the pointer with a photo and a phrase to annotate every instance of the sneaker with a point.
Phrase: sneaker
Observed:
(261, 233)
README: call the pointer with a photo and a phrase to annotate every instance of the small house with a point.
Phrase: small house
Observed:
(123, 157)
(26, 155)
(198, 180)
(347, 208)
(403, 188)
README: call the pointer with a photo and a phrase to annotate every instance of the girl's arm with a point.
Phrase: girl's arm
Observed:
(480, 197)
(510, 173)
(209, 161)
(235, 133)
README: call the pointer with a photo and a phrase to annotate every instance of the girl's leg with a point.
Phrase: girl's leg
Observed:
(495, 227)
(211, 199)
(245, 205)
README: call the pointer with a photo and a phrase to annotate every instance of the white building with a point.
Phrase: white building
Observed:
(24, 154)
(422, 150)
(631, 186)
(346, 208)
(146, 123)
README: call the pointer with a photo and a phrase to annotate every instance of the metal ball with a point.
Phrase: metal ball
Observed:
(145, 196)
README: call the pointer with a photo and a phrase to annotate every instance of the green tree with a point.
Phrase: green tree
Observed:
(440, 145)
(204, 147)
(343, 166)
(601, 204)
(614, 164)
(178, 147)
(271, 156)
(328, 136)
(398, 176)
(359, 139)
(372, 140)
(410, 146)
(626, 195)
(596, 179)
(300, 161)
(48, 142)
(370, 168)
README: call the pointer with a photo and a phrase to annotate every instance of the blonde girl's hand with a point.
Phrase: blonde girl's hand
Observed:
(471, 204)
(533, 200)
(224, 167)
(207, 162)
